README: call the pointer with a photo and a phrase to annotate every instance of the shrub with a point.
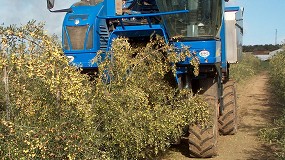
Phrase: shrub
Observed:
(249, 66)
(51, 111)
(46, 100)
(144, 113)
(277, 75)
(275, 133)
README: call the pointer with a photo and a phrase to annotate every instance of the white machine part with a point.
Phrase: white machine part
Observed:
(233, 33)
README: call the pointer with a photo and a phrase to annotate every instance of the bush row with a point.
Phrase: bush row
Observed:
(49, 110)
(275, 133)
(246, 68)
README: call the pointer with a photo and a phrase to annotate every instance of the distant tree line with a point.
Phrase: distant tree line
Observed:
(266, 47)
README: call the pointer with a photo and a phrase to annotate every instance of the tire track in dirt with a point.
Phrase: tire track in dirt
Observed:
(256, 110)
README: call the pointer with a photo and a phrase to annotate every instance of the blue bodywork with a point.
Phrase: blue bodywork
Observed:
(84, 15)
(95, 34)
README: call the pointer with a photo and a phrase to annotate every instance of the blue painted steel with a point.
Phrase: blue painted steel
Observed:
(83, 60)
(227, 9)
(99, 14)
(137, 31)
(196, 47)
(223, 41)
(85, 15)
(143, 15)
(109, 8)
(93, 17)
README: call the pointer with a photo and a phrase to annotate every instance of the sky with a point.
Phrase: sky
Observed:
(262, 18)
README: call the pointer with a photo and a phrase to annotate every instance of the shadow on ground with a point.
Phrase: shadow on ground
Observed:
(273, 110)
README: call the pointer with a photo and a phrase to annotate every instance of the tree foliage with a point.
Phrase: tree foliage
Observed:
(266, 47)
(48, 100)
(246, 68)
(277, 74)
(49, 110)
(275, 133)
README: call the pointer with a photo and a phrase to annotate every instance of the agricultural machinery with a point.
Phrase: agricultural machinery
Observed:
(211, 31)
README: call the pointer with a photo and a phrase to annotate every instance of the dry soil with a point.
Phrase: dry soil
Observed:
(256, 110)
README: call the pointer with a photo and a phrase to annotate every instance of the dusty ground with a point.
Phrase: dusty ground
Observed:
(256, 110)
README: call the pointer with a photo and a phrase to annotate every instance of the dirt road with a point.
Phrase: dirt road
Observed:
(256, 111)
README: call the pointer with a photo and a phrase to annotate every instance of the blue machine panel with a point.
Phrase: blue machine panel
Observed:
(208, 52)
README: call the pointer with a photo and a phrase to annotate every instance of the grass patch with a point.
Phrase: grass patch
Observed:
(246, 68)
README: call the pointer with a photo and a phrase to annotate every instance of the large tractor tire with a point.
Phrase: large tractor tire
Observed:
(228, 120)
(203, 140)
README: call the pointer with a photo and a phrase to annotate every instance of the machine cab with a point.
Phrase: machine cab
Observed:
(203, 20)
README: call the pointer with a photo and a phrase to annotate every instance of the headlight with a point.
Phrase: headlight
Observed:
(76, 21)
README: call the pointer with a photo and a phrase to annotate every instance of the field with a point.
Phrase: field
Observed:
(49, 110)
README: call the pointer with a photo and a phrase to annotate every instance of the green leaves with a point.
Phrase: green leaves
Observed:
(275, 133)
(248, 67)
(129, 112)
(141, 112)
(46, 96)
(277, 75)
